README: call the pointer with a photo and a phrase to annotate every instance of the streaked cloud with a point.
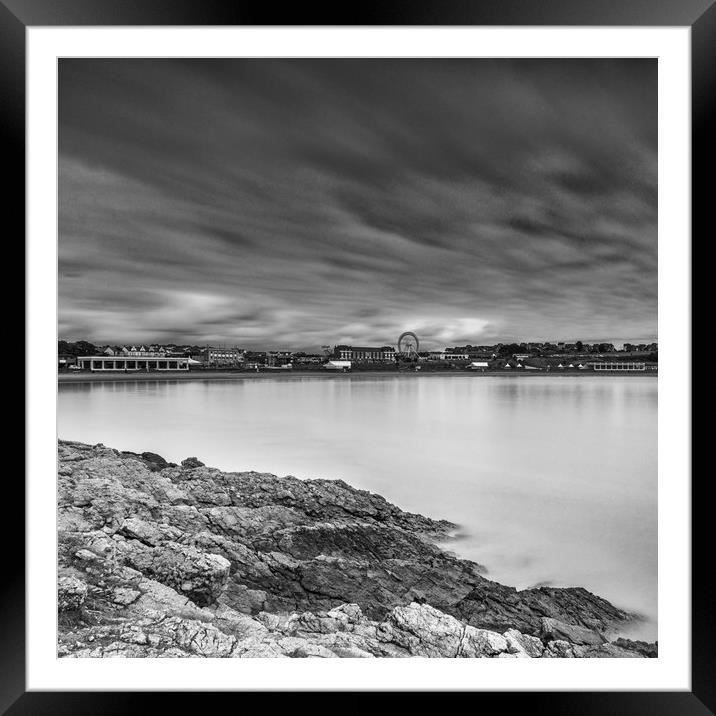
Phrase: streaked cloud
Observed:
(305, 202)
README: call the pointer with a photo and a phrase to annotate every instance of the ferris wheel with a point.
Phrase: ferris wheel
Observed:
(408, 344)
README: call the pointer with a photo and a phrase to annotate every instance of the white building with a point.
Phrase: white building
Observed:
(343, 365)
(479, 365)
(365, 353)
(222, 356)
(620, 366)
(148, 364)
(142, 352)
(134, 351)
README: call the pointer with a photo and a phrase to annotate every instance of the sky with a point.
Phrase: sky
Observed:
(300, 203)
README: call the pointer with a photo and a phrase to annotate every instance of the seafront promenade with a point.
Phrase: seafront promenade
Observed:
(333, 375)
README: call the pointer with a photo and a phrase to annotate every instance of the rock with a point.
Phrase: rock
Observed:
(191, 463)
(244, 599)
(308, 650)
(424, 631)
(651, 651)
(201, 576)
(153, 461)
(273, 622)
(346, 613)
(518, 643)
(560, 649)
(352, 652)
(71, 593)
(199, 638)
(146, 532)
(237, 624)
(125, 596)
(482, 643)
(605, 651)
(253, 648)
(86, 555)
(188, 561)
(553, 629)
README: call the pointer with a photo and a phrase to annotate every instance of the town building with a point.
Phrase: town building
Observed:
(143, 352)
(222, 357)
(448, 355)
(308, 359)
(640, 347)
(65, 360)
(340, 365)
(255, 358)
(617, 365)
(276, 359)
(148, 364)
(134, 351)
(479, 365)
(364, 353)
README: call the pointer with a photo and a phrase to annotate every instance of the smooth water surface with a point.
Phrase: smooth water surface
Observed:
(553, 480)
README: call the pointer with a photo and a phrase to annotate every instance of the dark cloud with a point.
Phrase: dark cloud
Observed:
(307, 202)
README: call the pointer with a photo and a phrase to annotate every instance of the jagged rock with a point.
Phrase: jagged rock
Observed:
(199, 638)
(350, 613)
(148, 533)
(201, 576)
(153, 461)
(273, 622)
(560, 649)
(71, 593)
(351, 652)
(253, 648)
(302, 648)
(244, 599)
(518, 643)
(484, 642)
(237, 624)
(189, 561)
(606, 650)
(86, 554)
(125, 596)
(553, 629)
(191, 463)
(650, 651)
(157, 599)
(424, 631)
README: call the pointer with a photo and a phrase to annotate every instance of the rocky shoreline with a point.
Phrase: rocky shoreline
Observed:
(163, 560)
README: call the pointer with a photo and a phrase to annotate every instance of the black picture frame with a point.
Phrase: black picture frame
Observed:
(699, 15)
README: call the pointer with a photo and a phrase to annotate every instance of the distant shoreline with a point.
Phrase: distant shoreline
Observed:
(248, 375)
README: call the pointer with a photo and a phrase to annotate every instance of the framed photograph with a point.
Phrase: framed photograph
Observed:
(358, 383)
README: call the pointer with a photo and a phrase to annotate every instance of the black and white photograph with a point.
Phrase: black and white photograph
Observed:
(357, 358)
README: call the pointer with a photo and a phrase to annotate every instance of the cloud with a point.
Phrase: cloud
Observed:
(306, 202)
